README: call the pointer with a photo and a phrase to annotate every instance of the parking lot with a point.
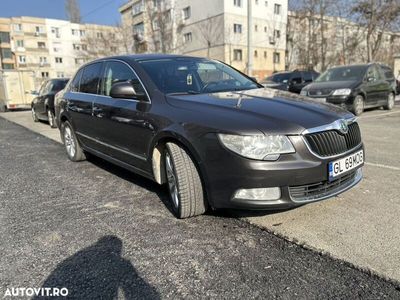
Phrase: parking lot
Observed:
(80, 203)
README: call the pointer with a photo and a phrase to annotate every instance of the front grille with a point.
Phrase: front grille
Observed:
(320, 93)
(321, 190)
(332, 142)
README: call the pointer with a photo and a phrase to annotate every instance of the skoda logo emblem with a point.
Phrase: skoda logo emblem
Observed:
(343, 128)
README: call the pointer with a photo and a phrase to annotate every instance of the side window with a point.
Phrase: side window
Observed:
(90, 78)
(74, 86)
(307, 76)
(377, 73)
(43, 88)
(115, 72)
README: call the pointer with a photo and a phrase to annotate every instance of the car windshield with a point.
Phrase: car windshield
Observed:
(195, 76)
(343, 74)
(279, 78)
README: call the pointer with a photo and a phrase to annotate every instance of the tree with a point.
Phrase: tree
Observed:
(378, 17)
(211, 32)
(73, 11)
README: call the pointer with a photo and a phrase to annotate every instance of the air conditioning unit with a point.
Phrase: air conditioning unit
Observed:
(272, 40)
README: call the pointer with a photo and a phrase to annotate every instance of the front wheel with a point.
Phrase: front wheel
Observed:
(358, 105)
(74, 150)
(390, 102)
(51, 118)
(184, 183)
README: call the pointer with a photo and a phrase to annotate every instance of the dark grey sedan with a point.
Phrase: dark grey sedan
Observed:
(214, 136)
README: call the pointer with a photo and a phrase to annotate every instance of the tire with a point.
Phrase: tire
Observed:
(184, 183)
(51, 118)
(358, 105)
(74, 150)
(34, 115)
(390, 102)
(3, 107)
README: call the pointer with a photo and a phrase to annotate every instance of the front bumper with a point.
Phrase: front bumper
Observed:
(345, 102)
(295, 174)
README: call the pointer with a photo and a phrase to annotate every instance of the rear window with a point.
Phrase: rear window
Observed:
(90, 79)
(58, 85)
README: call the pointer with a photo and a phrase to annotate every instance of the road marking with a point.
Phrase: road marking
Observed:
(382, 166)
(380, 115)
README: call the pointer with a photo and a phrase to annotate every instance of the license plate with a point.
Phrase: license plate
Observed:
(322, 100)
(341, 166)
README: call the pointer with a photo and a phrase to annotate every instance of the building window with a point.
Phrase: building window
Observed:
(266, 3)
(255, 28)
(79, 61)
(22, 59)
(237, 28)
(265, 28)
(155, 25)
(265, 54)
(99, 35)
(237, 54)
(59, 60)
(75, 32)
(55, 31)
(60, 75)
(277, 9)
(17, 27)
(4, 37)
(84, 47)
(277, 34)
(6, 53)
(256, 2)
(43, 60)
(139, 28)
(8, 66)
(137, 8)
(277, 57)
(255, 53)
(237, 3)
(186, 12)
(82, 32)
(76, 47)
(20, 43)
(187, 37)
(39, 29)
(45, 74)
(41, 45)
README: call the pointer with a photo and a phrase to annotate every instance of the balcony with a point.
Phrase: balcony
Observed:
(44, 49)
(36, 34)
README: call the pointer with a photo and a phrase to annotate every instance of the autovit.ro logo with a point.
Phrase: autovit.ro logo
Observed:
(39, 292)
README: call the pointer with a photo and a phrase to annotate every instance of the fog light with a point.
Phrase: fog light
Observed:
(259, 194)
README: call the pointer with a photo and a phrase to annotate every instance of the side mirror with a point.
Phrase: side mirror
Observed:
(125, 90)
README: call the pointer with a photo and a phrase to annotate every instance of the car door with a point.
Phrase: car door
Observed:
(80, 97)
(386, 78)
(372, 86)
(40, 99)
(123, 126)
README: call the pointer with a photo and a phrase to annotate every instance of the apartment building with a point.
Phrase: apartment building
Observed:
(209, 28)
(49, 48)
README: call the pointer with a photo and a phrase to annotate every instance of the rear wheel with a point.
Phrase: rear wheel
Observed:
(51, 119)
(184, 183)
(358, 105)
(71, 143)
(34, 115)
(390, 102)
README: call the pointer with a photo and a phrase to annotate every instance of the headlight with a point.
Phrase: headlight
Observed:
(342, 92)
(257, 146)
(303, 93)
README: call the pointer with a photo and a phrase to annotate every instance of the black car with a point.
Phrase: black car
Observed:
(354, 87)
(213, 135)
(43, 104)
(290, 81)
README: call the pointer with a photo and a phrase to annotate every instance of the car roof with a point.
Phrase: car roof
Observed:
(142, 57)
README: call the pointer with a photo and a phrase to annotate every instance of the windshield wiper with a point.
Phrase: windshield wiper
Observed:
(191, 92)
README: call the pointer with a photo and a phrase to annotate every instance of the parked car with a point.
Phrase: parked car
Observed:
(389, 76)
(213, 135)
(290, 81)
(43, 104)
(354, 87)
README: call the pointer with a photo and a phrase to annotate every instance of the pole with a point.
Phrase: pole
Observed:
(249, 38)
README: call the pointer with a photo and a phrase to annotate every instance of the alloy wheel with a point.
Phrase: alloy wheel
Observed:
(51, 118)
(390, 103)
(358, 105)
(69, 142)
(172, 182)
(34, 116)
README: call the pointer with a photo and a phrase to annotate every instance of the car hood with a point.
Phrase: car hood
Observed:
(267, 110)
(331, 85)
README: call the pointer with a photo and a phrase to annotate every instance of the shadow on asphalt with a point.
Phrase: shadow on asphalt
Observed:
(99, 272)
(163, 194)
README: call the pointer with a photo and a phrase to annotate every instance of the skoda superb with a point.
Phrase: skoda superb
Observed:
(212, 135)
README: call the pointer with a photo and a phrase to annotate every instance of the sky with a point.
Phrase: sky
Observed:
(92, 11)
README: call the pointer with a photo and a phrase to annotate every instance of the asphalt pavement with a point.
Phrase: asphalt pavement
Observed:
(105, 233)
